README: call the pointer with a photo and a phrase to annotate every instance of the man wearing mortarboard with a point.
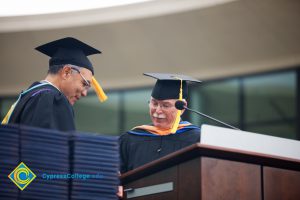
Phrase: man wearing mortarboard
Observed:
(167, 133)
(48, 103)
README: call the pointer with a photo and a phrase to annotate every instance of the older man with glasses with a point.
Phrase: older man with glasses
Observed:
(48, 103)
(167, 133)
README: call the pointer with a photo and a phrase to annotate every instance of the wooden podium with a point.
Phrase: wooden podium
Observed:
(206, 172)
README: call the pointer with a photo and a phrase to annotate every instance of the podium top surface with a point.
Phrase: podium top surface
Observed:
(248, 141)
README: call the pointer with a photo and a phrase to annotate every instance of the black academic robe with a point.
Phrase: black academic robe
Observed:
(138, 149)
(44, 106)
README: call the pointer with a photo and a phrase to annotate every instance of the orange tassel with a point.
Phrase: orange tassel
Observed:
(98, 89)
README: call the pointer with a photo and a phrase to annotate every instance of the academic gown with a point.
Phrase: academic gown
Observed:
(138, 147)
(44, 106)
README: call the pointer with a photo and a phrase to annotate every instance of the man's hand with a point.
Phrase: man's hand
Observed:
(120, 192)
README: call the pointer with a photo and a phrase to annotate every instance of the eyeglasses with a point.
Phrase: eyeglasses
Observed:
(163, 105)
(85, 83)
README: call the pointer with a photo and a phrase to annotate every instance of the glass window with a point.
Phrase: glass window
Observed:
(217, 99)
(264, 103)
(93, 116)
(280, 129)
(136, 108)
(270, 104)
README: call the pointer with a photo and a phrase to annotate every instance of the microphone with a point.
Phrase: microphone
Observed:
(180, 105)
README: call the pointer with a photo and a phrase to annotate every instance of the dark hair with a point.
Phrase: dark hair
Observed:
(53, 69)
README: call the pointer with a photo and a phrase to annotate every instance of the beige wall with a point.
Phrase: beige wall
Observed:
(234, 38)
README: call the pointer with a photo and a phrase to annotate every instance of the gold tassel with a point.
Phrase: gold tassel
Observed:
(178, 114)
(98, 89)
(6, 118)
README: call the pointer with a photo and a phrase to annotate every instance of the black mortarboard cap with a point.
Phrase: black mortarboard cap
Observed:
(168, 85)
(68, 51)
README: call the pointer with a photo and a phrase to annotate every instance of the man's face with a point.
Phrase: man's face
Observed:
(162, 112)
(77, 84)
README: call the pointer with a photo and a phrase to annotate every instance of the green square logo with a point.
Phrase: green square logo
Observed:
(22, 176)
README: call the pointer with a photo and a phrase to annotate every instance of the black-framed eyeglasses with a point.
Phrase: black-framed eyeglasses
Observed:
(86, 83)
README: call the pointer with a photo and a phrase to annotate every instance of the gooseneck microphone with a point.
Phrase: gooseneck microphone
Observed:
(180, 105)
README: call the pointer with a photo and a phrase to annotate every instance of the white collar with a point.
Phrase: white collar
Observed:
(50, 84)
